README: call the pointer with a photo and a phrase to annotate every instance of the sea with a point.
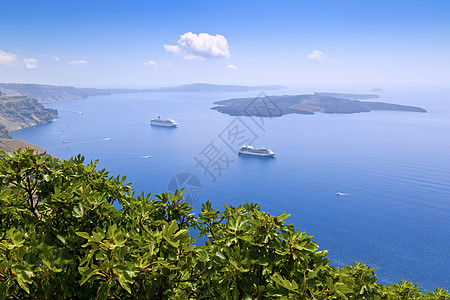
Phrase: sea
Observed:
(392, 168)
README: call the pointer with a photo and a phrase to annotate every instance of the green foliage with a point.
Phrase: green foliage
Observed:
(61, 237)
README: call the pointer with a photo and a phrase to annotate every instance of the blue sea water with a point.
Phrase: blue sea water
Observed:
(393, 166)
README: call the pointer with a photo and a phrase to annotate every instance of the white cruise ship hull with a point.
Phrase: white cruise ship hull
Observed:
(258, 154)
(164, 125)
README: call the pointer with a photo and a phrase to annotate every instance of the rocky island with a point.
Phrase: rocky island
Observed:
(329, 103)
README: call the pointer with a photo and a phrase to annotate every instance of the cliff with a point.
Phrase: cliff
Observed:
(20, 112)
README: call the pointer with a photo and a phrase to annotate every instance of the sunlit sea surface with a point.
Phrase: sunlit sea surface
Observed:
(394, 168)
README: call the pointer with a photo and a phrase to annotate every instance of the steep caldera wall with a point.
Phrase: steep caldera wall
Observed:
(20, 112)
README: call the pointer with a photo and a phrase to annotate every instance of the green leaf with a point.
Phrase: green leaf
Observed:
(61, 238)
(280, 218)
(87, 274)
(172, 228)
(124, 283)
(78, 211)
(102, 292)
(23, 282)
(97, 237)
(220, 255)
(180, 232)
(111, 231)
(83, 234)
(330, 283)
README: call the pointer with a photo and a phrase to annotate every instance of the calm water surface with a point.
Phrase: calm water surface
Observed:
(394, 166)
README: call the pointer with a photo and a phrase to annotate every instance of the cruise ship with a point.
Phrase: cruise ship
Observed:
(160, 122)
(246, 149)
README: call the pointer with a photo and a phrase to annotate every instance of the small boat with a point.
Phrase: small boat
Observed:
(341, 194)
(166, 123)
(262, 151)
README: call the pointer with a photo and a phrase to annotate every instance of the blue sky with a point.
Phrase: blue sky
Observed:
(159, 43)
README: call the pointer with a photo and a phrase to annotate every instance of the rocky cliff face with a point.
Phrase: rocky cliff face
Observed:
(4, 133)
(21, 112)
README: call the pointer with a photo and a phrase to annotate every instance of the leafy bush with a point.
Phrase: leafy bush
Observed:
(61, 237)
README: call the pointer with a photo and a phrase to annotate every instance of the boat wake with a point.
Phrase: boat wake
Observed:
(71, 110)
(91, 141)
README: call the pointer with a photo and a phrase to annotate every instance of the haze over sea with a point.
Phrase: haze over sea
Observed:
(393, 166)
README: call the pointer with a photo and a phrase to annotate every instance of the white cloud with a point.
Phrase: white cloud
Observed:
(316, 55)
(232, 67)
(57, 58)
(30, 63)
(203, 45)
(150, 63)
(7, 59)
(172, 48)
(77, 62)
(168, 64)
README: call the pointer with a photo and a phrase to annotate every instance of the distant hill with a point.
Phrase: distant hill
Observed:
(208, 88)
(330, 103)
(51, 93)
